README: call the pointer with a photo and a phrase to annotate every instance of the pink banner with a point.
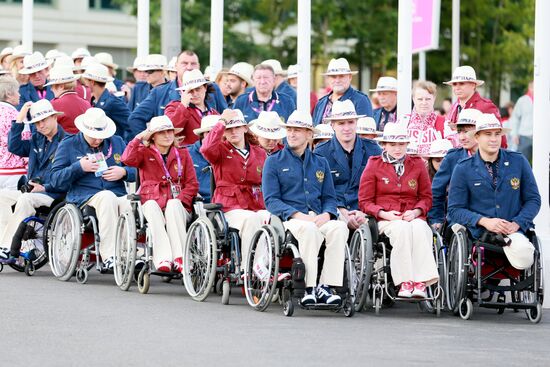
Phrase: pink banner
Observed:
(425, 25)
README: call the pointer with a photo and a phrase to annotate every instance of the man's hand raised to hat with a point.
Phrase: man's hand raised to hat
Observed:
(141, 135)
(228, 115)
(185, 98)
(114, 173)
(22, 116)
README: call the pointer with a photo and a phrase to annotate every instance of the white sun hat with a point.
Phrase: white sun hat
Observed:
(268, 126)
(207, 123)
(172, 64)
(60, 74)
(80, 53)
(468, 116)
(343, 110)
(244, 71)
(138, 61)
(95, 124)
(54, 54)
(41, 109)
(276, 65)
(366, 125)
(292, 71)
(86, 61)
(394, 133)
(6, 51)
(339, 67)
(64, 60)
(34, 62)
(236, 121)
(153, 62)
(98, 73)
(192, 79)
(385, 84)
(18, 52)
(158, 124)
(488, 121)
(106, 59)
(324, 131)
(439, 148)
(300, 119)
(464, 74)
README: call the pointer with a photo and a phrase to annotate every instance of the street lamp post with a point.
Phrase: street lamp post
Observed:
(26, 24)
(404, 57)
(143, 28)
(304, 55)
(216, 35)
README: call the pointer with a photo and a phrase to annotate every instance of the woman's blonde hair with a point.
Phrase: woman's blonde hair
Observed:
(426, 85)
(8, 86)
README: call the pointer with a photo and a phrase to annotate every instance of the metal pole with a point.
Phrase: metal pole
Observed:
(304, 55)
(404, 57)
(422, 65)
(456, 35)
(26, 24)
(216, 35)
(541, 111)
(143, 28)
(170, 28)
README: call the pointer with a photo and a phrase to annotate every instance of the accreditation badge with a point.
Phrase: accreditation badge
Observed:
(514, 182)
(320, 176)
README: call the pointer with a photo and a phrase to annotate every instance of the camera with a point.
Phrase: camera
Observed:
(27, 187)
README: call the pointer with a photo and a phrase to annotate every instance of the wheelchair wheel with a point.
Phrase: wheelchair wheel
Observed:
(536, 294)
(349, 303)
(199, 259)
(30, 234)
(260, 277)
(361, 251)
(125, 250)
(65, 239)
(456, 270)
(226, 291)
(437, 291)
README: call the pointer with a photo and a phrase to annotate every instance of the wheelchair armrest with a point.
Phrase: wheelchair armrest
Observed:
(213, 206)
(88, 211)
(373, 226)
(134, 197)
(198, 198)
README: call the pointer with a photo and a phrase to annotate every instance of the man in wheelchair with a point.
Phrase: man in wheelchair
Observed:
(88, 167)
(347, 155)
(495, 191)
(298, 187)
(38, 191)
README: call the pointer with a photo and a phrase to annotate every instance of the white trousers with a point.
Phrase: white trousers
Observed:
(412, 257)
(25, 205)
(520, 251)
(247, 222)
(310, 238)
(168, 230)
(9, 182)
(108, 207)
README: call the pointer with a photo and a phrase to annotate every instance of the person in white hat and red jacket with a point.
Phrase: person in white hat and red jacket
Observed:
(167, 187)
(237, 166)
(395, 189)
(347, 156)
(339, 77)
(36, 67)
(40, 150)
(269, 132)
(298, 188)
(96, 76)
(88, 167)
(464, 84)
(495, 190)
(199, 162)
(386, 89)
(192, 107)
(63, 84)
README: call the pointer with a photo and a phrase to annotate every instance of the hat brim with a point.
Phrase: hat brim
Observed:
(56, 113)
(202, 130)
(281, 134)
(315, 131)
(193, 86)
(473, 133)
(477, 82)
(114, 66)
(149, 134)
(104, 134)
(243, 77)
(73, 79)
(131, 69)
(12, 57)
(156, 67)
(26, 71)
(350, 117)
(381, 139)
(379, 133)
(383, 90)
(351, 72)
(96, 79)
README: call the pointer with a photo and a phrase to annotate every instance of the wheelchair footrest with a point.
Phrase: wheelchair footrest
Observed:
(519, 286)
(321, 306)
(522, 306)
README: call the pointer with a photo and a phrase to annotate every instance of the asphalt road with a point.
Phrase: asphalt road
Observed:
(46, 322)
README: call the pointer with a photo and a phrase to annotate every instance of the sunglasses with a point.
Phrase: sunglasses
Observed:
(151, 71)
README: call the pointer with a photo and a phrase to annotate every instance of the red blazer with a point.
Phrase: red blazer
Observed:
(186, 118)
(381, 189)
(83, 91)
(238, 182)
(72, 106)
(153, 184)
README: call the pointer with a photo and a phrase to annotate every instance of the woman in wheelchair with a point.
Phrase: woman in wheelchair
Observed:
(395, 189)
(237, 166)
(169, 184)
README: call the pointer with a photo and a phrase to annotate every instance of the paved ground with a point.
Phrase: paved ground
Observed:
(46, 322)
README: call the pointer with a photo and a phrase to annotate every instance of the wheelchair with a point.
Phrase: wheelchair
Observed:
(134, 243)
(275, 272)
(372, 280)
(479, 265)
(74, 243)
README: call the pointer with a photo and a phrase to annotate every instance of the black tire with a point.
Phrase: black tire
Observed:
(456, 269)
(30, 235)
(262, 268)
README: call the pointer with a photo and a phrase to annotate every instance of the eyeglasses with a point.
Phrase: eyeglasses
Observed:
(151, 71)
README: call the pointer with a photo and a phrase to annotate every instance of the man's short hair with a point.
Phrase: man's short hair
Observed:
(188, 53)
(264, 67)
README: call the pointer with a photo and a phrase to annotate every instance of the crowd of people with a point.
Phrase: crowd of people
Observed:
(70, 130)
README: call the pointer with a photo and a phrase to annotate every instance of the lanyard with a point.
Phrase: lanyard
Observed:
(109, 152)
(166, 171)
(202, 114)
(269, 108)
(41, 93)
